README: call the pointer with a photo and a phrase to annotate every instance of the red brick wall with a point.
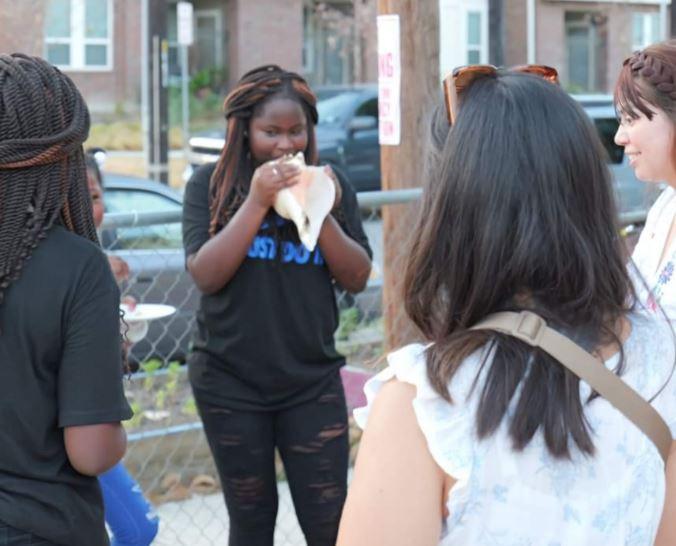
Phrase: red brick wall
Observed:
(551, 35)
(25, 21)
(104, 91)
(262, 32)
(515, 45)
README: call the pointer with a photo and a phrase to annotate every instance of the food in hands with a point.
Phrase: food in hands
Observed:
(308, 202)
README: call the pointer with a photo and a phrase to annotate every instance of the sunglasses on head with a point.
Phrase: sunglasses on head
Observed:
(464, 76)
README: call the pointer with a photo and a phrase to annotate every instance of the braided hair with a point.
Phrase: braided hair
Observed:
(648, 78)
(230, 181)
(43, 123)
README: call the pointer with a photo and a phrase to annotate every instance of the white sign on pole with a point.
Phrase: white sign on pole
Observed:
(389, 80)
(184, 18)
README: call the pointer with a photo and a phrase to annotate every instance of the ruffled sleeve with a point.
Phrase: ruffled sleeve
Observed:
(448, 428)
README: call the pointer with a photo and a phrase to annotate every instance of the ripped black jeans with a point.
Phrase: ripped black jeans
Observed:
(312, 439)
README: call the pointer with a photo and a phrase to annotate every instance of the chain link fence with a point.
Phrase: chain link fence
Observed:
(168, 453)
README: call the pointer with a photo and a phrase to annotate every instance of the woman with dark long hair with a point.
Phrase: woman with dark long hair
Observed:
(61, 396)
(264, 368)
(645, 99)
(476, 437)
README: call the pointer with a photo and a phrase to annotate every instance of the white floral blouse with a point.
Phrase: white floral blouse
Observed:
(656, 284)
(528, 498)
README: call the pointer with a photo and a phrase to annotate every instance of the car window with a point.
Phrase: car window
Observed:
(607, 127)
(129, 200)
(368, 108)
(336, 110)
(164, 236)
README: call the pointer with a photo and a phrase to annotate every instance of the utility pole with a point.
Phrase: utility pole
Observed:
(157, 47)
(672, 9)
(402, 164)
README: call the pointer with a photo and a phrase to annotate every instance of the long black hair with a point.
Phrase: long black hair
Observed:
(519, 214)
(230, 181)
(43, 123)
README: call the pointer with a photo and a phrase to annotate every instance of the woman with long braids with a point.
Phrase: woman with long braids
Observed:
(645, 99)
(264, 368)
(61, 396)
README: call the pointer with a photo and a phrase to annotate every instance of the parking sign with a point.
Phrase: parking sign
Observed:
(184, 17)
(389, 80)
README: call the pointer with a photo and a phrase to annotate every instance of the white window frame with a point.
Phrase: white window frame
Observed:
(78, 41)
(454, 34)
(217, 16)
(309, 38)
(650, 34)
(482, 47)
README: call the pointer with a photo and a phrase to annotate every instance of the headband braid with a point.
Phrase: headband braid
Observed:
(658, 74)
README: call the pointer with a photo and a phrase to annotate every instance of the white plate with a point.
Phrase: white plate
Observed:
(146, 311)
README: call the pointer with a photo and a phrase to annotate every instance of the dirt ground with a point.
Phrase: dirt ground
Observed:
(133, 164)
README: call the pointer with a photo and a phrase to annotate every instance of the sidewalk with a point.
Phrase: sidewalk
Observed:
(203, 521)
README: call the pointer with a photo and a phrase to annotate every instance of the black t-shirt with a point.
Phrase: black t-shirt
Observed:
(60, 366)
(265, 340)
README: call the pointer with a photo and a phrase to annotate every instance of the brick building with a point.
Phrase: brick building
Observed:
(585, 40)
(98, 42)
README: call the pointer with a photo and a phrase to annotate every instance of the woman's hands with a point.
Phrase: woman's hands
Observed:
(336, 184)
(120, 268)
(268, 179)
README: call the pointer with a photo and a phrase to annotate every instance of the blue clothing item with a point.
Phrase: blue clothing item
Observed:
(131, 518)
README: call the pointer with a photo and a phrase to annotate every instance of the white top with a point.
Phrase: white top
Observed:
(528, 498)
(657, 283)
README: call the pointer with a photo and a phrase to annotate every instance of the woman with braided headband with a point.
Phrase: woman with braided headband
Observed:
(264, 368)
(61, 396)
(645, 99)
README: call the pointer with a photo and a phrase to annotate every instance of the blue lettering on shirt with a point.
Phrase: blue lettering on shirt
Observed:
(264, 248)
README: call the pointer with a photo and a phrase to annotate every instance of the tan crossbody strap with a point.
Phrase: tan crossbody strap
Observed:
(533, 329)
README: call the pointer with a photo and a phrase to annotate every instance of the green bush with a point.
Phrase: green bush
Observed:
(206, 108)
(349, 321)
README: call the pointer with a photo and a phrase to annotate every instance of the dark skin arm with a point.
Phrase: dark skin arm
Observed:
(213, 265)
(348, 262)
(94, 449)
(346, 259)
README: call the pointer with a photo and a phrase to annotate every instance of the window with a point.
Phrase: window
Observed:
(645, 29)
(308, 38)
(208, 35)
(336, 110)
(585, 51)
(78, 34)
(369, 108)
(160, 236)
(474, 41)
